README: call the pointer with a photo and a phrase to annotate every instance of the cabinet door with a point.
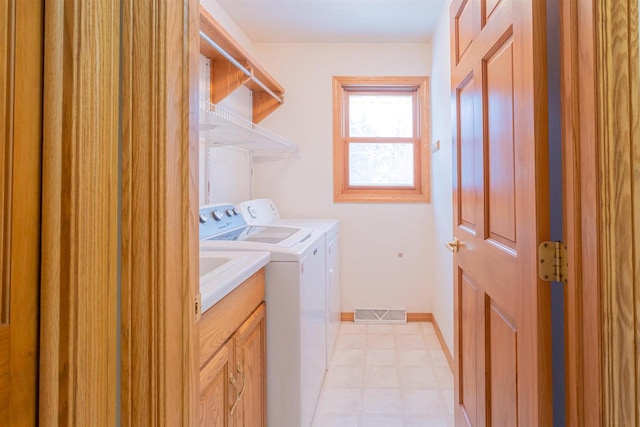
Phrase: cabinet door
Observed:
(251, 347)
(217, 394)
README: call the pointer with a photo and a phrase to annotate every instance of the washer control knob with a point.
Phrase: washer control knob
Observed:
(216, 215)
(252, 212)
(203, 218)
(236, 211)
(229, 212)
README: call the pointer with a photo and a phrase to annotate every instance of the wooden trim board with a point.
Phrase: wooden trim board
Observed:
(159, 213)
(80, 213)
(601, 133)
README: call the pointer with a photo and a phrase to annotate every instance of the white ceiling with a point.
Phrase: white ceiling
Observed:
(335, 21)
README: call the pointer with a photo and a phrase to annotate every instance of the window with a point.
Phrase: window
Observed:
(380, 139)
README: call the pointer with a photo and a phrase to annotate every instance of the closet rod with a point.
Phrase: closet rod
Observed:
(240, 67)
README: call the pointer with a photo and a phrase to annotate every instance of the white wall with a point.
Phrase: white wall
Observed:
(225, 172)
(229, 24)
(442, 225)
(385, 248)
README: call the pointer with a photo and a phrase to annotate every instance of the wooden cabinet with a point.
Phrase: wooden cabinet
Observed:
(232, 359)
(216, 396)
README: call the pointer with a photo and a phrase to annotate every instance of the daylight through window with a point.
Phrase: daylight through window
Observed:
(381, 139)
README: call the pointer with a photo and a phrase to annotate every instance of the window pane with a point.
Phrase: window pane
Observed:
(381, 164)
(381, 115)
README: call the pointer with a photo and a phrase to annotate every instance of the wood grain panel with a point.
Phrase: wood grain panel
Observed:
(499, 141)
(467, 191)
(159, 204)
(225, 78)
(219, 322)
(464, 28)
(80, 206)
(26, 181)
(468, 359)
(216, 394)
(618, 165)
(251, 350)
(6, 132)
(602, 148)
(5, 378)
(502, 368)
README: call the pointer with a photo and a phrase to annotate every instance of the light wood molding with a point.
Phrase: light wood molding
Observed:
(25, 211)
(159, 212)
(21, 55)
(618, 168)
(80, 205)
(443, 343)
(602, 151)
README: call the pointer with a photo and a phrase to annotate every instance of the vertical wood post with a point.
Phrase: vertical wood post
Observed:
(80, 206)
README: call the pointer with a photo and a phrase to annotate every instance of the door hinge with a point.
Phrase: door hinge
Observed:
(198, 306)
(552, 262)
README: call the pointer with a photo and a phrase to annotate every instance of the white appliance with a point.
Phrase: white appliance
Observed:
(264, 212)
(295, 296)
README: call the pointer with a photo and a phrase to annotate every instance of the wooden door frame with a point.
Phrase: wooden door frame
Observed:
(159, 212)
(601, 137)
(119, 211)
(79, 223)
(23, 182)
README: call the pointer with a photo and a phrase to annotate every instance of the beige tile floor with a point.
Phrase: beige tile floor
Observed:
(387, 376)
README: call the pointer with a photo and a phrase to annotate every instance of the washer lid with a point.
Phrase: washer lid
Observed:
(281, 236)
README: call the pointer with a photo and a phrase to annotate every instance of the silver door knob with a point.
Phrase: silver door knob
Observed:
(454, 245)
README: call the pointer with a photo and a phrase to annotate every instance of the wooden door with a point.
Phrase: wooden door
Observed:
(502, 324)
(251, 347)
(20, 148)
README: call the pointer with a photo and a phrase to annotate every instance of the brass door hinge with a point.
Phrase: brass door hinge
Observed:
(198, 306)
(552, 262)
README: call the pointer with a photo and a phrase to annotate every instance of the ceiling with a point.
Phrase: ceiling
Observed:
(335, 21)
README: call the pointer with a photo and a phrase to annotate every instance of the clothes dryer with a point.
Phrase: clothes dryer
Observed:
(264, 212)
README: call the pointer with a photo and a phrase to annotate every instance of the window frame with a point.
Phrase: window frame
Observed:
(419, 88)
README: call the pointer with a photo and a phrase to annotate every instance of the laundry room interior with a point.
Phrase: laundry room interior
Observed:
(392, 259)
(320, 213)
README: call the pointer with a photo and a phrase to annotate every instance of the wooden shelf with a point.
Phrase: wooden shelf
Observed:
(226, 77)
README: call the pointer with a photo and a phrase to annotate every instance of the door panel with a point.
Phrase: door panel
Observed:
(502, 377)
(464, 29)
(488, 7)
(466, 159)
(498, 97)
(468, 353)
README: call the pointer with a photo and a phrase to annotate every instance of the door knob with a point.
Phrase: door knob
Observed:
(454, 245)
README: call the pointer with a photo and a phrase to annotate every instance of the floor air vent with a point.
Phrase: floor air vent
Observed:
(380, 315)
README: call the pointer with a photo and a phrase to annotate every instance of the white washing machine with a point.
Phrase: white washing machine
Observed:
(295, 297)
(264, 212)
